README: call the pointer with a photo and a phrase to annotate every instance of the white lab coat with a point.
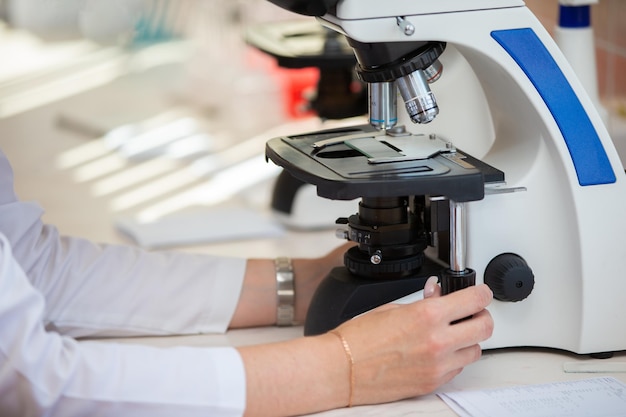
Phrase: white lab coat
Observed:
(54, 288)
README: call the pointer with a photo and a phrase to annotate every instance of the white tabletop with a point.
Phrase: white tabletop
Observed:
(33, 141)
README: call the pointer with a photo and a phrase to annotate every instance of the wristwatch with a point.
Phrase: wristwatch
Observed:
(285, 292)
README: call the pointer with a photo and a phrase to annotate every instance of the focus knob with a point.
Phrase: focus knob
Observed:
(452, 281)
(509, 277)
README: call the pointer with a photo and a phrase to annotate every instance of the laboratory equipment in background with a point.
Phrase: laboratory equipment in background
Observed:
(302, 44)
(498, 169)
(304, 47)
(575, 37)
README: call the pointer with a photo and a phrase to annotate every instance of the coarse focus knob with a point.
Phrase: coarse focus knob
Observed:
(452, 281)
(509, 277)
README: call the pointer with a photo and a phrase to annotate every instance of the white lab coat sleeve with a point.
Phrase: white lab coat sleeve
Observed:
(116, 290)
(46, 374)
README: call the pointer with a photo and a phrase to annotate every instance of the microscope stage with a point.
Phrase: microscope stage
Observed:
(360, 161)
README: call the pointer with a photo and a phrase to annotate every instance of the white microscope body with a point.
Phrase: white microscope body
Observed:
(508, 97)
(563, 206)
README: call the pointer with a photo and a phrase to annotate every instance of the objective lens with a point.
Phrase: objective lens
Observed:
(382, 105)
(420, 102)
(433, 73)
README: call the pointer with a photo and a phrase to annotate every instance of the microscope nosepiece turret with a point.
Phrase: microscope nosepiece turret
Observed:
(411, 66)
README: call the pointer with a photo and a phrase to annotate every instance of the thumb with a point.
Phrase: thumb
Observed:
(431, 288)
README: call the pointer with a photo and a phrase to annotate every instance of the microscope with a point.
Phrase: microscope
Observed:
(497, 168)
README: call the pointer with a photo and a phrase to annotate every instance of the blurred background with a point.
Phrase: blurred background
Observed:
(609, 25)
(152, 108)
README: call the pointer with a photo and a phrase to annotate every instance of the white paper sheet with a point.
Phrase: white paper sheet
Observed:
(596, 397)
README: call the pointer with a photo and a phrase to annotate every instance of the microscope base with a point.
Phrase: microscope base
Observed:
(342, 296)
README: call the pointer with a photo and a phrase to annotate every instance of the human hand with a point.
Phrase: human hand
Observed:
(309, 273)
(402, 351)
(398, 351)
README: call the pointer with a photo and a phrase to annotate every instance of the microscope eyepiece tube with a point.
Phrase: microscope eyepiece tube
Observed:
(419, 100)
(383, 112)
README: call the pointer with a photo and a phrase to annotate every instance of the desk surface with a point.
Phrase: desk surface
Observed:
(33, 141)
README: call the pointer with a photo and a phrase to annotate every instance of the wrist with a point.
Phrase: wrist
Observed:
(350, 360)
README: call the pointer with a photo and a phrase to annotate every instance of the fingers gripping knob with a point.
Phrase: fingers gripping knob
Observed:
(457, 280)
(454, 280)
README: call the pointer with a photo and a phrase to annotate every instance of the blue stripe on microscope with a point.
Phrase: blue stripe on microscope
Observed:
(586, 150)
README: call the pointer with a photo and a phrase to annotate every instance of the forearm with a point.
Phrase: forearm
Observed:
(258, 298)
(296, 377)
(44, 373)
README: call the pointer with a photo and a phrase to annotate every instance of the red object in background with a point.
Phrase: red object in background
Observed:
(298, 86)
